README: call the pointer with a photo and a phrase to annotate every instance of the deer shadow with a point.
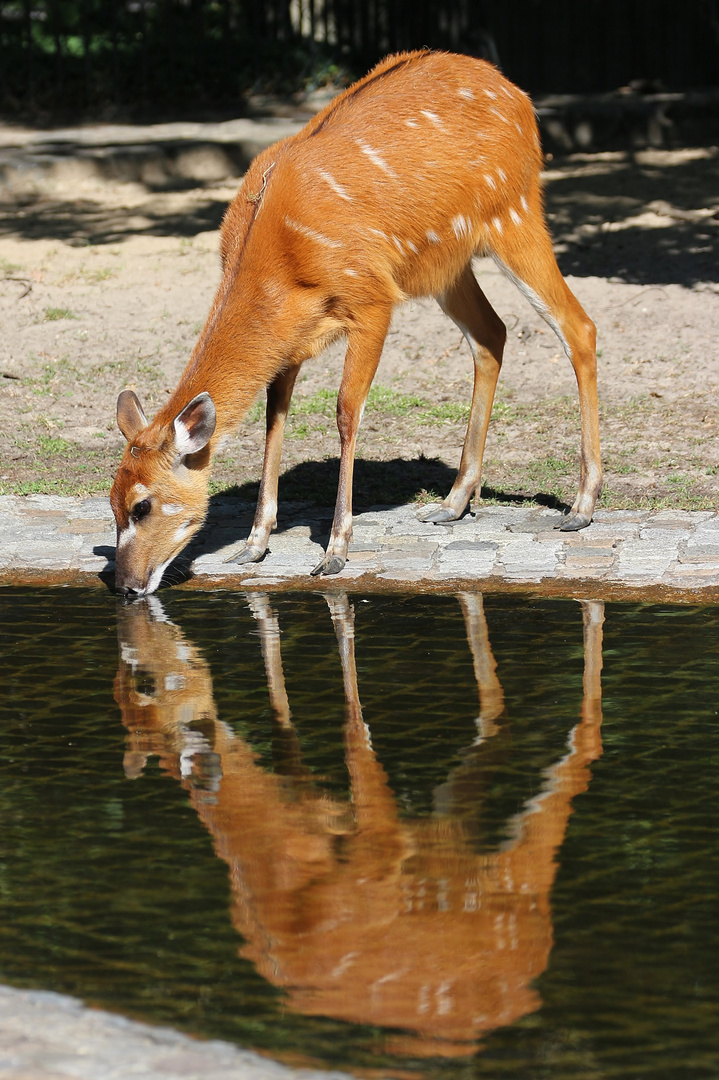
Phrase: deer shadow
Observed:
(307, 494)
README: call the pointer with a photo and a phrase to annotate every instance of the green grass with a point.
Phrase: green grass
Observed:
(53, 445)
(53, 314)
(384, 401)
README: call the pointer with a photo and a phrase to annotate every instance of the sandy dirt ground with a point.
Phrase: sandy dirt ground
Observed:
(105, 285)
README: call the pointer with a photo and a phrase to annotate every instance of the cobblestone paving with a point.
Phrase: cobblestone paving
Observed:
(675, 550)
(46, 1036)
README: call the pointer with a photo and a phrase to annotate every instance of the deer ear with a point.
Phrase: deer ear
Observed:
(195, 425)
(131, 420)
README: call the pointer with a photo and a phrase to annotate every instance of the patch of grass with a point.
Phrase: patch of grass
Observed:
(7, 267)
(611, 499)
(54, 445)
(53, 314)
(322, 403)
(452, 412)
(427, 496)
(55, 485)
(391, 403)
(94, 277)
(381, 399)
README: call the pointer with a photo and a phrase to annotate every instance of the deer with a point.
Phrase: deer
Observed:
(354, 910)
(387, 194)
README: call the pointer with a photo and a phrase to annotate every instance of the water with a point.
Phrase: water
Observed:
(433, 836)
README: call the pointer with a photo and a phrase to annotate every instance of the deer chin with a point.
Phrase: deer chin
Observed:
(156, 577)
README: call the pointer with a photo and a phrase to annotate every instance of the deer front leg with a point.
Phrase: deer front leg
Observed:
(364, 349)
(279, 395)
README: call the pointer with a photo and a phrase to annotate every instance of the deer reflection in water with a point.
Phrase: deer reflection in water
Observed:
(356, 913)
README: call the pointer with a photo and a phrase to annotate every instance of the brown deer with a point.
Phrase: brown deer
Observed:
(356, 912)
(388, 193)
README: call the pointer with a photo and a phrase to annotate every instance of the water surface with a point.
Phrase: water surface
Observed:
(445, 836)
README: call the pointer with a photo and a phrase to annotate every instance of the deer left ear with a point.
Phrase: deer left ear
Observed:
(195, 425)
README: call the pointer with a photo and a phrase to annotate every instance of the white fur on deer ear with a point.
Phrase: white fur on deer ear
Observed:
(131, 419)
(195, 425)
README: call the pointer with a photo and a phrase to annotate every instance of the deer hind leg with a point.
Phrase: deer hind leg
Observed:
(468, 307)
(364, 348)
(524, 252)
(279, 395)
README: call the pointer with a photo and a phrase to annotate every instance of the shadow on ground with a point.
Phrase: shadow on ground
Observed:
(82, 222)
(645, 219)
(307, 494)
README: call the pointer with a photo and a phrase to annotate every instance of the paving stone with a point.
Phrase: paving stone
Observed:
(588, 558)
(55, 533)
(478, 563)
(46, 1036)
(471, 545)
(702, 553)
(656, 535)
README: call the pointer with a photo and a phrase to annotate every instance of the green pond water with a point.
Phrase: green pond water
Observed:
(426, 835)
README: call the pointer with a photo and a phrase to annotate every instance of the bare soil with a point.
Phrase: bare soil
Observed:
(106, 285)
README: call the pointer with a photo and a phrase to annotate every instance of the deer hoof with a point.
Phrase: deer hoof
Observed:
(437, 516)
(331, 564)
(247, 554)
(572, 522)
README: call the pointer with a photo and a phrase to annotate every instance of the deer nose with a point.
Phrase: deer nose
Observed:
(125, 588)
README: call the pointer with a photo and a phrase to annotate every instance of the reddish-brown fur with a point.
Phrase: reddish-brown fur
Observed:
(387, 194)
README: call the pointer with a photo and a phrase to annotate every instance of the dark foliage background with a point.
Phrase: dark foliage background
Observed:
(102, 54)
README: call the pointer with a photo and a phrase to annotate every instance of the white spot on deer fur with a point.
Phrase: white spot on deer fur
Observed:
(519, 130)
(126, 535)
(411, 246)
(507, 92)
(337, 188)
(515, 216)
(432, 117)
(432, 237)
(525, 204)
(350, 272)
(497, 224)
(311, 234)
(491, 94)
(465, 93)
(376, 158)
(411, 123)
(139, 491)
(490, 180)
(377, 232)
(500, 116)
(398, 244)
(171, 508)
(460, 224)
(502, 175)
(175, 681)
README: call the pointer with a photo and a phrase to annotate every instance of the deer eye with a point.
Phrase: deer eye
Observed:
(141, 510)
